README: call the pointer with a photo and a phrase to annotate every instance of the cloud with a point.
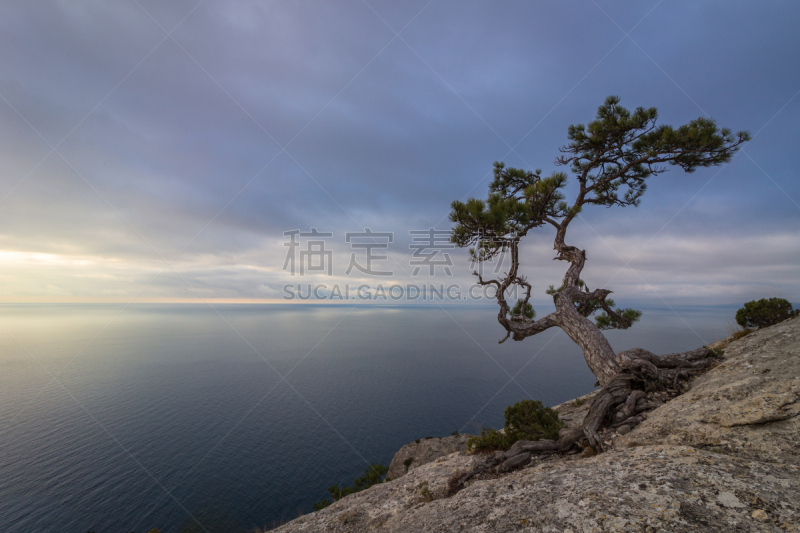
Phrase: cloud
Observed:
(266, 117)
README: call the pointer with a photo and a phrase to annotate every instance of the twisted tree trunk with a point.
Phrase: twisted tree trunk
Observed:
(597, 351)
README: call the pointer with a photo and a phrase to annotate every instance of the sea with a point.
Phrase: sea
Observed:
(195, 417)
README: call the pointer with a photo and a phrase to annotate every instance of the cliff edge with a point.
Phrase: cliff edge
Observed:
(725, 456)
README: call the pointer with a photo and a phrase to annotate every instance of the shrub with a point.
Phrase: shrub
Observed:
(743, 333)
(532, 420)
(764, 312)
(425, 491)
(525, 420)
(489, 440)
(372, 476)
(716, 352)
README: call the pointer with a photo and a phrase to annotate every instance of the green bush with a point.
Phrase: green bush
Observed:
(764, 312)
(489, 440)
(716, 352)
(372, 476)
(525, 420)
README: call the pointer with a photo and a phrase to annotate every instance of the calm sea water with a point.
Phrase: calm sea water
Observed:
(240, 415)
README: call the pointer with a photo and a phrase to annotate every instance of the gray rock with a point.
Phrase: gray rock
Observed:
(416, 454)
(574, 411)
(747, 406)
(649, 488)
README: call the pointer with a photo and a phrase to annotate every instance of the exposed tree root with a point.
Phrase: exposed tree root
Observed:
(645, 381)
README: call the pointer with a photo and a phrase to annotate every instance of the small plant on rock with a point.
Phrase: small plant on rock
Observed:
(373, 475)
(716, 352)
(425, 491)
(525, 420)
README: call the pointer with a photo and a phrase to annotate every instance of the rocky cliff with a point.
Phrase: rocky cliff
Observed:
(725, 456)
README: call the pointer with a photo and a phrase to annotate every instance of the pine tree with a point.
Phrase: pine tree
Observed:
(612, 158)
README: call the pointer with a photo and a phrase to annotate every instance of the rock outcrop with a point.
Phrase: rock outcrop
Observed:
(722, 457)
(423, 451)
(747, 406)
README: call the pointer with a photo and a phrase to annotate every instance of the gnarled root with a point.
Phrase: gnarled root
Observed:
(521, 453)
(644, 382)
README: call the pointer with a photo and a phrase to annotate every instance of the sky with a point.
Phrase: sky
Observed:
(158, 151)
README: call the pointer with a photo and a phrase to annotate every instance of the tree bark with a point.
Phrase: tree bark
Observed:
(597, 351)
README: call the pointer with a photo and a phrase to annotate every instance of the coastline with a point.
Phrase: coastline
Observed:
(720, 457)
